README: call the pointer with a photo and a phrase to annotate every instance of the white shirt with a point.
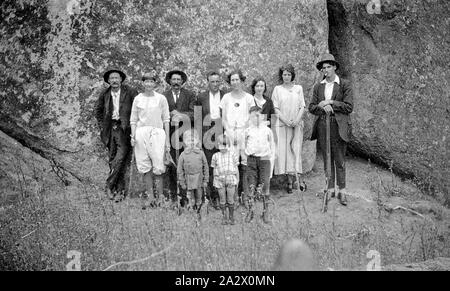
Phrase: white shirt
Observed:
(150, 111)
(329, 87)
(235, 110)
(259, 141)
(214, 103)
(116, 102)
(175, 96)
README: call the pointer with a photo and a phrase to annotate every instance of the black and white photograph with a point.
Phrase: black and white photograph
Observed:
(225, 141)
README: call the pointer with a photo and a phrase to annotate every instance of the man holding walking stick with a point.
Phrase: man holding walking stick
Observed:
(181, 107)
(333, 100)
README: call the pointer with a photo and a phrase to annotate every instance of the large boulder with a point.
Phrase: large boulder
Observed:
(396, 54)
(54, 53)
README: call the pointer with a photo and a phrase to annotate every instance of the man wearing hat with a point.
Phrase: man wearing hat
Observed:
(181, 106)
(113, 115)
(333, 96)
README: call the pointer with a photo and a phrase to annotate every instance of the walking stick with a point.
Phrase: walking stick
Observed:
(328, 167)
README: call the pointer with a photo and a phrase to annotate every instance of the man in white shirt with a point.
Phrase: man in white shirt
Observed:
(209, 101)
(113, 112)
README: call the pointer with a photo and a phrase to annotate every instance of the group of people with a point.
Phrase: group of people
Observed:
(232, 142)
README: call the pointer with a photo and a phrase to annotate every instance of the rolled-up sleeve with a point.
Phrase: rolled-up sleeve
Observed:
(134, 112)
(165, 114)
(275, 98)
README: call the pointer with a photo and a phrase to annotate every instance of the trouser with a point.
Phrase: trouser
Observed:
(258, 173)
(211, 191)
(338, 147)
(172, 178)
(119, 149)
(149, 149)
(226, 194)
(195, 196)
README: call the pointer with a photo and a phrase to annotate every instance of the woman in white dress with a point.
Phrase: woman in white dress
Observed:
(150, 135)
(235, 107)
(289, 106)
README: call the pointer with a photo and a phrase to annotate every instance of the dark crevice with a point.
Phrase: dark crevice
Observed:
(339, 37)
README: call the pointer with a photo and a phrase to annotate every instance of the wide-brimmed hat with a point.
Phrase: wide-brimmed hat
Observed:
(178, 72)
(327, 58)
(106, 75)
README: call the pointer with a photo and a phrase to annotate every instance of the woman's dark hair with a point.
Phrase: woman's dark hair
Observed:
(254, 109)
(255, 81)
(150, 76)
(234, 72)
(290, 69)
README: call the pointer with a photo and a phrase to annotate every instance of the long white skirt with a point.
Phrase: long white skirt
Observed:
(288, 149)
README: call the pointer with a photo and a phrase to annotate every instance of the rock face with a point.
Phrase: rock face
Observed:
(395, 52)
(54, 53)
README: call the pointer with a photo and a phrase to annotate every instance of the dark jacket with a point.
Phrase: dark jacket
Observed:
(104, 110)
(185, 102)
(342, 106)
(203, 101)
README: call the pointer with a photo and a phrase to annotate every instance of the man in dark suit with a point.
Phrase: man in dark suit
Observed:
(332, 96)
(181, 106)
(113, 112)
(209, 101)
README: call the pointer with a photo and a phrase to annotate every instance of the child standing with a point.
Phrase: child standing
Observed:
(259, 148)
(226, 178)
(192, 169)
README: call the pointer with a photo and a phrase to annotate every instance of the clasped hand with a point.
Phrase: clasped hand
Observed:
(326, 106)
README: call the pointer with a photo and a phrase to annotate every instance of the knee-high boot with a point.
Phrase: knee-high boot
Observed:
(223, 207)
(231, 212)
(159, 185)
(266, 213)
(148, 179)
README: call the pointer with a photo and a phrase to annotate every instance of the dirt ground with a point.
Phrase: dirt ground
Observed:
(387, 222)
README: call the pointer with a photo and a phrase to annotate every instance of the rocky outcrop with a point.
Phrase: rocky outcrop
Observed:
(53, 55)
(395, 52)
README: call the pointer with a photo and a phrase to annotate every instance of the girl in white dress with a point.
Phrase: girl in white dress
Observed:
(289, 105)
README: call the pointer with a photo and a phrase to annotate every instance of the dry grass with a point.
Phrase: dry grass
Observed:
(39, 228)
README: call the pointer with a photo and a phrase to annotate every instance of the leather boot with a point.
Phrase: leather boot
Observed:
(224, 214)
(159, 186)
(265, 216)
(231, 211)
(342, 198)
(148, 196)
